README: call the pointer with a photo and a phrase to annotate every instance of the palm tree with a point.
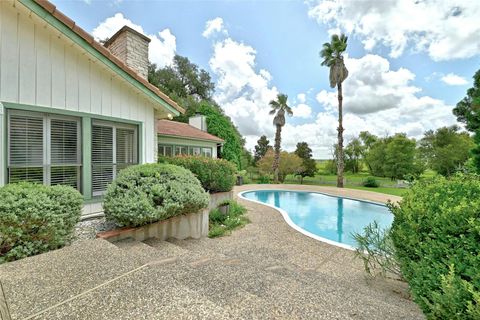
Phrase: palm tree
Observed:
(279, 107)
(332, 55)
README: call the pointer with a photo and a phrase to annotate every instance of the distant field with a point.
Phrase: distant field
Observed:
(353, 181)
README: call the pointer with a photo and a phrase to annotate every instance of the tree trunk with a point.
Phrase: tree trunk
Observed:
(276, 159)
(340, 162)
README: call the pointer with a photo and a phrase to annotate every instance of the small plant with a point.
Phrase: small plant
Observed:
(215, 175)
(376, 249)
(221, 223)
(148, 193)
(371, 182)
(35, 218)
(264, 179)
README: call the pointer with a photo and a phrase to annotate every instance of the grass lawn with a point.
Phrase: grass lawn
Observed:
(353, 181)
(393, 191)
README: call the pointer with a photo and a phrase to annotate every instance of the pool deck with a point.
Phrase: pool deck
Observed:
(266, 270)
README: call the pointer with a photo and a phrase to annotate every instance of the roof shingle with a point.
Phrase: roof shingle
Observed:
(184, 130)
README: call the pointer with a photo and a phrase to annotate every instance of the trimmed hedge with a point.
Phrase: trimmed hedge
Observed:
(216, 175)
(148, 193)
(35, 218)
(436, 233)
(370, 182)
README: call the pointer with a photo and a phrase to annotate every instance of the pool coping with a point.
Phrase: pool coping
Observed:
(289, 221)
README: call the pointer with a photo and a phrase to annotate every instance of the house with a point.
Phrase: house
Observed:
(177, 138)
(73, 111)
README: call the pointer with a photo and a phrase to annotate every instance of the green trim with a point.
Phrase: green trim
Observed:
(26, 107)
(5, 143)
(69, 33)
(86, 123)
(87, 157)
(140, 150)
(95, 199)
(173, 146)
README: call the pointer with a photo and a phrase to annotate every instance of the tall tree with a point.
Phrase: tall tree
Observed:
(367, 139)
(468, 112)
(332, 55)
(182, 79)
(289, 163)
(353, 153)
(263, 144)
(279, 107)
(309, 165)
(446, 149)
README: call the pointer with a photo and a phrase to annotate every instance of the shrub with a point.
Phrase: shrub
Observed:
(436, 233)
(216, 175)
(375, 248)
(35, 218)
(148, 193)
(263, 179)
(371, 182)
(221, 224)
(246, 178)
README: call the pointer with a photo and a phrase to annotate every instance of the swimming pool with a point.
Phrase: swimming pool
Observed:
(327, 218)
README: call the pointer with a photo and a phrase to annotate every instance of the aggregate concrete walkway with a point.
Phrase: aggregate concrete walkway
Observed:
(266, 270)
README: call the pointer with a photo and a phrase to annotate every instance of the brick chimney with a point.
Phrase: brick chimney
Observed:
(131, 47)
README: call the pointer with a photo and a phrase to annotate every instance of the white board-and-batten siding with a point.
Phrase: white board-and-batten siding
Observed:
(39, 66)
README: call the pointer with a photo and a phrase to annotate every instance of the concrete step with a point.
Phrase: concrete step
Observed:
(165, 247)
(36, 283)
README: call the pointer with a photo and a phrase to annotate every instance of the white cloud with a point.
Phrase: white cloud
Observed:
(445, 29)
(371, 86)
(383, 101)
(302, 111)
(214, 26)
(376, 98)
(162, 46)
(301, 97)
(454, 80)
(243, 92)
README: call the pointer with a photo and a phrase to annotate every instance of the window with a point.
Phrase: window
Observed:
(44, 148)
(180, 150)
(207, 152)
(194, 151)
(168, 151)
(114, 147)
(176, 150)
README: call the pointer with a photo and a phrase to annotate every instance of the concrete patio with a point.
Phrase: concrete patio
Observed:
(266, 270)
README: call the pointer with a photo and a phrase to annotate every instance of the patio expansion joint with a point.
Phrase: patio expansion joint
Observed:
(123, 275)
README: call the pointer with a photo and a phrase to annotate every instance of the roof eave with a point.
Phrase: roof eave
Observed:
(190, 138)
(47, 11)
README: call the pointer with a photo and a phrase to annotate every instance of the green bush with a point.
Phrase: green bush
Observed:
(263, 180)
(148, 193)
(35, 218)
(371, 182)
(246, 178)
(436, 233)
(221, 224)
(375, 248)
(216, 175)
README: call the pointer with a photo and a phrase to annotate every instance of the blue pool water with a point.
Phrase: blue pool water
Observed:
(329, 217)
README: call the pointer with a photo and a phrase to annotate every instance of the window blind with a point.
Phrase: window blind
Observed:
(102, 158)
(43, 148)
(114, 147)
(64, 152)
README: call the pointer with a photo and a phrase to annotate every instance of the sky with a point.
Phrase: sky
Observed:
(409, 61)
